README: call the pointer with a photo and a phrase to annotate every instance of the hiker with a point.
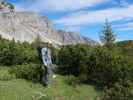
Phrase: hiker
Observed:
(44, 50)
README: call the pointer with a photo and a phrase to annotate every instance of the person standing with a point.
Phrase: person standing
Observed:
(45, 55)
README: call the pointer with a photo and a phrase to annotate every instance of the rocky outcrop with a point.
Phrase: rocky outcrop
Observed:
(73, 38)
(26, 26)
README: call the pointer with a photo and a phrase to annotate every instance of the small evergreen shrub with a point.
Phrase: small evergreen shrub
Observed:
(12, 53)
(72, 80)
(5, 75)
(96, 65)
(73, 59)
(119, 91)
(28, 71)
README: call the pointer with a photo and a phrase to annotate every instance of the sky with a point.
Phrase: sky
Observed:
(86, 17)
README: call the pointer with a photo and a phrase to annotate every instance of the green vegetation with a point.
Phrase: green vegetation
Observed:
(96, 65)
(119, 91)
(107, 37)
(19, 89)
(74, 59)
(126, 48)
(5, 74)
(83, 71)
(30, 71)
(12, 53)
(103, 66)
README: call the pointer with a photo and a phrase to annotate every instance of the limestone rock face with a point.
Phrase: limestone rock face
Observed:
(26, 26)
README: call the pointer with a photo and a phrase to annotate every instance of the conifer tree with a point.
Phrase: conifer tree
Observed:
(107, 36)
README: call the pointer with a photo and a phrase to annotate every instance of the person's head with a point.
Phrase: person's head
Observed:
(49, 44)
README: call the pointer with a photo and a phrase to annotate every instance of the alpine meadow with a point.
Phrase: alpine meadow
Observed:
(66, 50)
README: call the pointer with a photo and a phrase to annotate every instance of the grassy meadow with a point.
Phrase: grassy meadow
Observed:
(20, 89)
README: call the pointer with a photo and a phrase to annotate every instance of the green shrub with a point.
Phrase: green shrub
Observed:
(107, 67)
(118, 92)
(12, 53)
(55, 55)
(5, 75)
(126, 48)
(97, 65)
(28, 71)
(72, 80)
(73, 59)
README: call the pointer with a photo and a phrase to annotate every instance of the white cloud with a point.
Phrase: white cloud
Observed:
(121, 2)
(73, 29)
(88, 17)
(124, 3)
(76, 19)
(57, 5)
(124, 27)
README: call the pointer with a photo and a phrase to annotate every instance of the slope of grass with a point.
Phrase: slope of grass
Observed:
(20, 89)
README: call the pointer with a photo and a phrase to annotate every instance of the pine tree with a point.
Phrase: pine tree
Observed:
(107, 36)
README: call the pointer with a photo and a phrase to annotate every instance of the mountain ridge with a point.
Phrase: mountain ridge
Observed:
(26, 26)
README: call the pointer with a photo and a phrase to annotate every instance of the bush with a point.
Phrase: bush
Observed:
(5, 75)
(126, 48)
(72, 80)
(74, 59)
(17, 53)
(55, 55)
(97, 65)
(28, 71)
(118, 92)
(107, 67)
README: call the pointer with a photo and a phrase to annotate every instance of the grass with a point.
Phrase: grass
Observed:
(20, 89)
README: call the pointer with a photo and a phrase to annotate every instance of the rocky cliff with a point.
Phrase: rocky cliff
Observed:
(26, 26)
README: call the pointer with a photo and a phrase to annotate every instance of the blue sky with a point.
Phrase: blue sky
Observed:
(84, 16)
